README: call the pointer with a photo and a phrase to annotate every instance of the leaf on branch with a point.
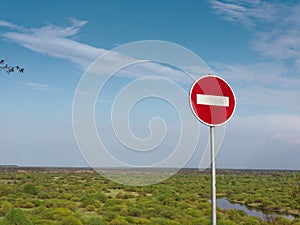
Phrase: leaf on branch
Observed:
(10, 69)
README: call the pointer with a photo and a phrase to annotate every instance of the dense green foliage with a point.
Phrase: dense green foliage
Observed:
(74, 197)
(15, 217)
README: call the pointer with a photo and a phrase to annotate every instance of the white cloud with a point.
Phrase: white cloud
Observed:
(262, 85)
(275, 26)
(281, 43)
(59, 42)
(273, 83)
(248, 12)
(10, 25)
(151, 69)
(42, 87)
(54, 41)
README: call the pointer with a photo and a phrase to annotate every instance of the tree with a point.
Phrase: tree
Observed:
(9, 68)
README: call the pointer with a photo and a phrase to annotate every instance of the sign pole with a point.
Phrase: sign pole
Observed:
(213, 102)
(213, 176)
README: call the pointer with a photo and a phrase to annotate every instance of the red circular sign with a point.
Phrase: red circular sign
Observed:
(212, 100)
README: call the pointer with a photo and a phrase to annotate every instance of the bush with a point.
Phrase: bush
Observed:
(27, 205)
(110, 216)
(162, 221)
(71, 220)
(45, 222)
(60, 203)
(120, 195)
(227, 222)
(268, 204)
(119, 221)
(5, 207)
(202, 221)
(44, 195)
(96, 221)
(90, 208)
(142, 221)
(30, 189)
(136, 212)
(5, 190)
(15, 217)
(38, 210)
(112, 202)
(56, 213)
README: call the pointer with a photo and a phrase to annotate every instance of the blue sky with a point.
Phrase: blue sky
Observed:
(254, 45)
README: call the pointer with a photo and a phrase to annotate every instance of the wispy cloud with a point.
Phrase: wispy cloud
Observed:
(42, 87)
(267, 74)
(247, 12)
(274, 25)
(11, 25)
(262, 85)
(59, 42)
(273, 82)
(54, 41)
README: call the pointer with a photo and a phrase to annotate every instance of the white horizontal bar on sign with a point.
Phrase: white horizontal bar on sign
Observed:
(212, 100)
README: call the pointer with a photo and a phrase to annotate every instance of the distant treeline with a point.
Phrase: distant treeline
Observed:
(187, 170)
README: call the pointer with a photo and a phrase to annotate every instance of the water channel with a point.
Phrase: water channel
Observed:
(223, 203)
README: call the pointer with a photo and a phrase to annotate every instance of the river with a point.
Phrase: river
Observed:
(223, 203)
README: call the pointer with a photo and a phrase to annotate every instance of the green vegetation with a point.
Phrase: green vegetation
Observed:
(83, 197)
(15, 217)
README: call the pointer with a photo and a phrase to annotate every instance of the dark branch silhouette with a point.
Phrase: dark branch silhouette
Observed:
(8, 68)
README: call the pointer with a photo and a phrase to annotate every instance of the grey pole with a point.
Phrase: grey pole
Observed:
(213, 176)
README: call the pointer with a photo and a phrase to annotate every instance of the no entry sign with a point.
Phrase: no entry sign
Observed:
(213, 103)
(212, 100)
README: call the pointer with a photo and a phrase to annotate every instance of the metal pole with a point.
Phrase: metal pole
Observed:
(213, 177)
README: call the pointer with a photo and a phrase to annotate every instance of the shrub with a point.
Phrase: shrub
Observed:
(19, 202)
(268, 204)
(15, 217)
(142, 221)
(60, 203)
(136, 212)
(90, 208)
(119, 221)
(112, 202)
(27, 205)
(227, 222)
(5, 190)
(91, 199)
(120, 195)
(110, 216)
(44, 195)
(30, 189)
(71, 220)
(36, 202)
(128, 195)
(45, 222)
(56, 213)
(202, 221)
(96, 221)
(39, 210)
(5, 207)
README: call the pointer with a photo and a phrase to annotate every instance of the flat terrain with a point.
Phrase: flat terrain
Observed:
(70, 196)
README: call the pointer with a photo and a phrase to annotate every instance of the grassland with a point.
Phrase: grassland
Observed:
(52, 196)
